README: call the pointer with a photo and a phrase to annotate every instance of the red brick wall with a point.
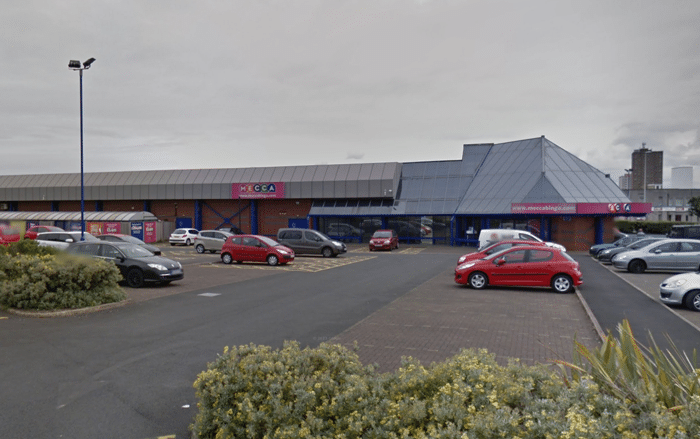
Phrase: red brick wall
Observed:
(168, 210)
(227, 209)
(274, 214)
(578, 234)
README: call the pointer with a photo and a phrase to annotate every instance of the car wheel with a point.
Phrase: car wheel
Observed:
(226, 258)
(199, 248)
(188, 242)
(134, 278)
(478, 280)
(561, 283)
(327, 252)
(272, 260)
(692, 300)
(212, 251)
(636, 266)
(173, 244)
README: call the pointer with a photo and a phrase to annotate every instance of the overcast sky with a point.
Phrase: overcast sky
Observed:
(211, 84)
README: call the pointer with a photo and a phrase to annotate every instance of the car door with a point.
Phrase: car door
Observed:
(312, 242)
(111, 253)
(663, 256)
(508, 268)
(252, 249)
(217, 241)
(688, 256)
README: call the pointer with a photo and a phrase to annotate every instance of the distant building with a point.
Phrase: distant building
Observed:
(625, 182)
(647, 168)
(682, 177)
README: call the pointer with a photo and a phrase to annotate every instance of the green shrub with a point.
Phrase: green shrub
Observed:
(257, 392)
(27, 247)
(56, 281)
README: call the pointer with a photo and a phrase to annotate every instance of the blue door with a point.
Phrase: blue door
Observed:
(298, 223)
(183, 223)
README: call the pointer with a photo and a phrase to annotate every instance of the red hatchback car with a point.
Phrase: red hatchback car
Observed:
(495, 248)
(33, 230)
(255, 248)
(525, 266)
(384, 240)
(8, 234)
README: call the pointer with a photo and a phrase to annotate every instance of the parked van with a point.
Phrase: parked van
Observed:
(490, 236)
(686, 231)
(310, 242)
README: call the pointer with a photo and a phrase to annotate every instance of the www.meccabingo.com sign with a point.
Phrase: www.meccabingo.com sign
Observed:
(257, 190)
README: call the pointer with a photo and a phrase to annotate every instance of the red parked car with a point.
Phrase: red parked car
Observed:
(8, 234)
(33, 230)
(384, 240)
(495, 248)
(255, 248)
(525, 266)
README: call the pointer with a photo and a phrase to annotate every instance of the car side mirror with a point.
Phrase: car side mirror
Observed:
(500, 261)
(69, 240)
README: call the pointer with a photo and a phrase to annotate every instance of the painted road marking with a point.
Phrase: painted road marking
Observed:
(309, 265)
(209, 294)
(400, 251)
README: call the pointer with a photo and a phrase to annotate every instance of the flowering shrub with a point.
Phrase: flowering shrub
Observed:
(257, 392)
(56, 281)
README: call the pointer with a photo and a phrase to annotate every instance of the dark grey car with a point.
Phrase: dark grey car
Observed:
(307, 241)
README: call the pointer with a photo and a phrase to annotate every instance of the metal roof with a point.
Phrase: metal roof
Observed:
(75, 216)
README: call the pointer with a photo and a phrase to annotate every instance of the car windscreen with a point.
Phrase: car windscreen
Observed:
(269, 241)
(132, 239)
(381, 235)
(135, 251)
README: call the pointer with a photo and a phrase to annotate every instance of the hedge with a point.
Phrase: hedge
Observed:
(36, 278)
(325, 392)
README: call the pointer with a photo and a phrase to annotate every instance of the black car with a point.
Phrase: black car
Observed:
(605, 256)
(132, 239)
(137, 265)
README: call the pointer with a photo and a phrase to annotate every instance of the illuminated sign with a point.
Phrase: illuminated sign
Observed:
(257, 190)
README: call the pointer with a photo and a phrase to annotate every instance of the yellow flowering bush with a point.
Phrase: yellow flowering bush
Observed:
(47, 281)
(259, 392)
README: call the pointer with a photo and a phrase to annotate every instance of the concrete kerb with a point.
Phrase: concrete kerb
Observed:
(67, 312)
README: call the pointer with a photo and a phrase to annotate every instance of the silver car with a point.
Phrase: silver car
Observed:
(667, 254)
(210, 240)
(681, 289)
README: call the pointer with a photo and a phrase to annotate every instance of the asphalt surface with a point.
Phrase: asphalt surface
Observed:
(127, 372)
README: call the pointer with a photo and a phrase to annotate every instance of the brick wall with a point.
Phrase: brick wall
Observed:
(578, 233)
(35, 206)
(227, 209)
(274, 214)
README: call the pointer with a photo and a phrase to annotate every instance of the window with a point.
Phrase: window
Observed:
(669, 247)
(515, 257)
(690, 247)
(109, 252)
(235, 240)
(88, 249)
(540, 255)
(310, 236)
(251, 242)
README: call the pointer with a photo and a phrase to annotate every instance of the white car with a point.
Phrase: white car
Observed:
(183, 236)
(492, 236)
(61, 240)
(681, 289)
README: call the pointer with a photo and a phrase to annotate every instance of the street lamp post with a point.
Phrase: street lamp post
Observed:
(75, 65)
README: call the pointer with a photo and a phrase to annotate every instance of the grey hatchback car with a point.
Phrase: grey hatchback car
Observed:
(210, 240)
(667, 254)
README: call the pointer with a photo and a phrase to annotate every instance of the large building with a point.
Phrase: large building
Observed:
(647, 168)
(530, 184)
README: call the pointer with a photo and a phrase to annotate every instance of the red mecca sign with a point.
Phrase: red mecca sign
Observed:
(257, 190)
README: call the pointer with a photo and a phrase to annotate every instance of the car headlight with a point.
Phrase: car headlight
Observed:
(605, 252)
(461, 259)
(676, 283)
(621, 257)
(158, 267)
(284, 252)
(467, 265)
(337, 244)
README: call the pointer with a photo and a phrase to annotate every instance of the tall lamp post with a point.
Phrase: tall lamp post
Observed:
(75, 65)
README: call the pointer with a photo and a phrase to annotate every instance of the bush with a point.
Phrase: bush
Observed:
(649, 227)
(257, 392)
(27, 247)
(56, 281)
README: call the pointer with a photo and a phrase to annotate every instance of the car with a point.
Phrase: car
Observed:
(384, 239)
(525, 266)
(210, 240)
(34, 230)
(255, 248)
(623, 241)
(666, 254)
(62, 240)
(490, 236)
(8, 235)
(308, 241)
(343, 230)
(230, 229)
(183, 236)
(495, 248)
(681, 289)
(605, 256)
(136, 264)
(116, 237)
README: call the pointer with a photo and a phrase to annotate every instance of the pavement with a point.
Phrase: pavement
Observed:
(439, 318)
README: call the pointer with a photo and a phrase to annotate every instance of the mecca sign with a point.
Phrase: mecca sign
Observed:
(257, 190)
